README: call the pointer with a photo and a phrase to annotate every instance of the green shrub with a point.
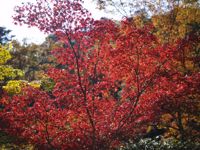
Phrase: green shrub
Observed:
(156, 144)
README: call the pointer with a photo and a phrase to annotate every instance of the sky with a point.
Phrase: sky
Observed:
(32, 34)
(20, 32)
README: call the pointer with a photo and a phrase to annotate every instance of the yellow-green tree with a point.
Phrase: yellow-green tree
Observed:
(176, 23)
(7, 72)
(181, 27)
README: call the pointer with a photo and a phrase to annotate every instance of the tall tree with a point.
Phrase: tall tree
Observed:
(33, 59)
(4, 35)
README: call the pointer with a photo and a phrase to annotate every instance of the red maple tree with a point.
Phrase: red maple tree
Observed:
(114, 80)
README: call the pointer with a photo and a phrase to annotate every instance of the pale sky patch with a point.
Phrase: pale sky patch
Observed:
(33, 34)
(20, 32)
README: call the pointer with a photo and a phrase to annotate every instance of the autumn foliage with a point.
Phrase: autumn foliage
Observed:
(116, 80)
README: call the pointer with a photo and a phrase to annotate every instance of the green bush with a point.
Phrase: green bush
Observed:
(8, 142)
(156, 144)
